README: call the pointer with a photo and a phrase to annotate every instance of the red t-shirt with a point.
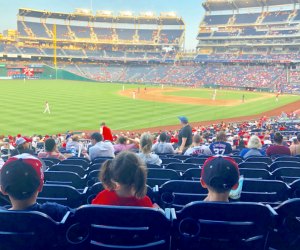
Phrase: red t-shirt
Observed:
(107, 197)
(106, 133)
(278, 150)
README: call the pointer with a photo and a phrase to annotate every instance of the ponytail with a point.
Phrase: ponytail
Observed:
(106, 175)
(140, 182)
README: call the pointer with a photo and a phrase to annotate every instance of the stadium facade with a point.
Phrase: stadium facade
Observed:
(250, 44)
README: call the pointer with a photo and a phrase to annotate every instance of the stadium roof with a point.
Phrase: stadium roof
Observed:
(165, 18)
(219, 5)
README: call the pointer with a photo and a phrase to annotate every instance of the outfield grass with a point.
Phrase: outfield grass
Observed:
(83, 105)
(221, 94)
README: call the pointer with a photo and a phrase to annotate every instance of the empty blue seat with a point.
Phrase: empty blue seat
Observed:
(181, 157)
(295, 189)
(192, 174)
(288, 231)
(76, 161)
(254, 165)
(287, 175)
(264, 159)
(62, 194)
(268, 191)
(181, 167)
(177, 193)
(287, 158)
(214, 225)
(54, 160)
(65, 178)
(237, 159)
(196, 160)
(163, 174)
(154, 166)
(166, 161)
(69, 168)
(255, 173)
(28, 230)
(112, 227)
(284, 164)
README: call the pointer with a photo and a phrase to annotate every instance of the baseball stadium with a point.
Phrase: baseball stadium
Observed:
(116, 133)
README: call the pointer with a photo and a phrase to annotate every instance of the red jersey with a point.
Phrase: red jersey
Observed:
(106, 133)
(107, 197)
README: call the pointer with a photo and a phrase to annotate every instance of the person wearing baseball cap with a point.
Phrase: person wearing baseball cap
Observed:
(220, 174)
(22, 178)
(22, 146)
(185, 136)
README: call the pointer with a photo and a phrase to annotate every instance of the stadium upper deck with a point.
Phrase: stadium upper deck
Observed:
(253, 30)
(147, 29)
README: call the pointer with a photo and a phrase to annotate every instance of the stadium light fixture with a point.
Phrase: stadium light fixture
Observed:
(147, 14)
(126, 13)
(104, 13)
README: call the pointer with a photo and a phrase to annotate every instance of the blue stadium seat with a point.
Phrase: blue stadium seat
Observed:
(109, 227)
(288, 175)
(69, 168)
(154, 166)
(288, 231)
(254, 165)
(214, 225)
(75, 161)
(251, 173)
(295, 189)
(264, 159)
(177, 193)
(48, 162)
(287, 158)
(180, 157)
(54, 160)
(181, 167)
(62, 194)
(267, 191)
(237, 159)
(192, 174)
(196, 160)
(168, 174)
(65, 178)
(284, 164)
(170, 160)
(101, 159)
(29, 230)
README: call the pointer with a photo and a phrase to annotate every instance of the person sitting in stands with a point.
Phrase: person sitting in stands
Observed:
(100, 148)
(22, 146)
(145, 147)
(295, 147)
(221, 147)
(162, 146)
(123, 146)
(220, 174)
(124, 179)
(277, 148)
(51, 151)
(22, 179)
(197, 148)
(254, 148)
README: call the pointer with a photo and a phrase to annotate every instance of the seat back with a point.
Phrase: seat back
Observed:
(181, 167)
(288, 175)
(54, 160)
(195, 160)
(76, 161)
(62, 194)
(111, 227)
(264, 159)
(28, 230)
(254, 165)
(288, 158)
(192, 174)
(214, 225)
(255, 173)
(174, 194)
(166, 161)
(284, 164)
(69, 168)
(163, 174)
(268, 191)
(65, 178)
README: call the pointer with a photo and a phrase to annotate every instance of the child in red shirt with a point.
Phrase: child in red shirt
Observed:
(124, 179)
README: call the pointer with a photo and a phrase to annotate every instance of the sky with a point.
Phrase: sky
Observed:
(190, 10)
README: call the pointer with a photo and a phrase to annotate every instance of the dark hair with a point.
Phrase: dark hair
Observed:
(278, 138)
(49, 145)
(197, 138)
(122, 140)
(96, 136)
(102, 123)
(221, 136)
(163, 137)
(126, 169)
(298, 137)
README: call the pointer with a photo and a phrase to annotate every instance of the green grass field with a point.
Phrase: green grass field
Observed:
(83, 105)
(221, 95)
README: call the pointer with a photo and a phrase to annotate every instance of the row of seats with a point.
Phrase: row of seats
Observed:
(199, 225)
